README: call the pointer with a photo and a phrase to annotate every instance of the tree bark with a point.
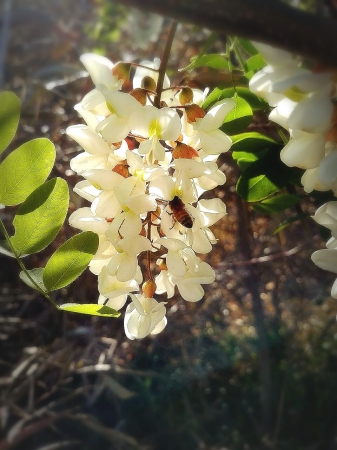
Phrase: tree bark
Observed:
(268, 21)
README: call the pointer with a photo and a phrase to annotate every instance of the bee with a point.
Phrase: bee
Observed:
(179, 212)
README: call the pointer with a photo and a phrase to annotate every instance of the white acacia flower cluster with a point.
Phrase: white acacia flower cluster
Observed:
(144, 169)
(304, 104)
(326, 259)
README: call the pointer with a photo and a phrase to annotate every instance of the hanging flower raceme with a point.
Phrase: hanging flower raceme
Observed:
(304, 104)
(144, 169)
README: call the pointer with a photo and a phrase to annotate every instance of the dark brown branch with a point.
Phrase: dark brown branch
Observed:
(269, 21)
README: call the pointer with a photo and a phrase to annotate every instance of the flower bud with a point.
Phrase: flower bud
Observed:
(122, 169)
(184, 151)
(186, 96)
(149, 288)
(121, 70)
(194, 112)
(140, 95)
(149, 84)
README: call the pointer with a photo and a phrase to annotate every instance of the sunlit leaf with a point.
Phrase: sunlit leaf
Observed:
(255, 102)
(9, 118)
(40, 217)
(36, 275)
(214, 61)
(238, 118)
(252, 142)
(25, 169)
(208, 44)
(277, 203)
(90, 308)
(70, 260)
(248, 46)
(255, 63)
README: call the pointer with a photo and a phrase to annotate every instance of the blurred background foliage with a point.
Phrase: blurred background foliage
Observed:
(252, 366)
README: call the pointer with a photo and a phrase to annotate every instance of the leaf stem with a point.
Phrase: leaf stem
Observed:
(163, 62)
(37, 287)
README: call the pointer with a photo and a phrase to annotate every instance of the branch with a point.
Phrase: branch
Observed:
(271, 22)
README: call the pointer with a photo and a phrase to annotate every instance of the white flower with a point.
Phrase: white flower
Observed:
(326, 259)
(124, 264)
(206, 214)
(326, 215)
(198, 273)
(100, 70)
(119, 194)
(86, 190)
(174, 259)
(304, 150)
(103, 255)
(310, 181)
(144, 316)
(327, 169)
(116, 303)
(85, 220)
(98, 153)
(117, 126)
(207, 135)
(164, 284)
(155, 125)
(110, 287)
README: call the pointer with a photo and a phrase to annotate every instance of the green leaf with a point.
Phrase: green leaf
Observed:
(70, 260)
(40, 217)
(248, 46)
(238, 118)
(214, 61)
(289, 221)
(244, 159)
(255, 102)
(36, 275)
(208, 44)
(25, 169)
(90, 308)
(263, 178)
(252, 142)
(255, 63)
(9, 118)
(277, 203)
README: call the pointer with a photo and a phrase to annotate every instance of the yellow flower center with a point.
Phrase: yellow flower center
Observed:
(110, 108)
(155, 129)
(139, 174)
(177, 192)
(295, 94)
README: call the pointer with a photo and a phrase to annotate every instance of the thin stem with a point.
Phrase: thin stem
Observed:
(163, 62)
(37, 287)
(144, 67)
(148, 253)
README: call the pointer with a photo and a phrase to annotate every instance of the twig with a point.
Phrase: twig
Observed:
(163, 62)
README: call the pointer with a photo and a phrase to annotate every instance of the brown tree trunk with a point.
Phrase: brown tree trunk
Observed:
(269, 21)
